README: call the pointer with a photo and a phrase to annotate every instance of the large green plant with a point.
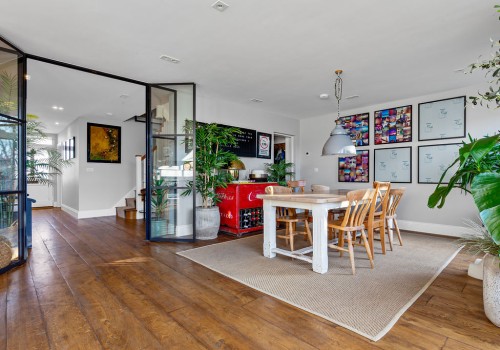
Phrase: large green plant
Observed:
(159, 198)
(279, 172)
(211, 159)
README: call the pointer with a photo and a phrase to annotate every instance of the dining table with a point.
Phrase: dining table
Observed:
(318, 203)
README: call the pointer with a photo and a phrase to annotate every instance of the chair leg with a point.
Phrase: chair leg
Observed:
(370, 240)
(351, 252)
(308, 232)
(382, 237)
(397, 231)
(367, 247)
(291, 232)
(341, 242)
(389, 234)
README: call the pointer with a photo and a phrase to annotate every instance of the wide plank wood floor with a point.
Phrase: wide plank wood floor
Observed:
(96, 284)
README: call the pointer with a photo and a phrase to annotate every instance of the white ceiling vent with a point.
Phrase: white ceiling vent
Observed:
(220, 6)
(169, 59)
(256, 100)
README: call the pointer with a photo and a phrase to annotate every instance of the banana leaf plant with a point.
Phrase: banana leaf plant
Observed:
(478, 173)
(279, 172)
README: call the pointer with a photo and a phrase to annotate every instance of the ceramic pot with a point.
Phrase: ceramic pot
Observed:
(207, 222)
(491, 289)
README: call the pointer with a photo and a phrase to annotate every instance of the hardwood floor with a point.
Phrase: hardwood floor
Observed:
(96, 284)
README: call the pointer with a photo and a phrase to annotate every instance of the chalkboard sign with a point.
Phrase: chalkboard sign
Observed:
(246, 143)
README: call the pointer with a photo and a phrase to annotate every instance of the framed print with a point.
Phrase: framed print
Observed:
(393, 125)
(66, 150)
(72, 152)
(357, 126)
(434, 160)
(393, 164)
(441, 119)
(264, 144)
(354, 168)
(103, 143)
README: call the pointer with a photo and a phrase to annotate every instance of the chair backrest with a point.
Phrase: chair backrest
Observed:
(380, 200)
(359, 205)
(297, 185)
(320, 188)
(395, 195)
(278, 189)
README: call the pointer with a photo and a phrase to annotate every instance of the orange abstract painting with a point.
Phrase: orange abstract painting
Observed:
(103, 143)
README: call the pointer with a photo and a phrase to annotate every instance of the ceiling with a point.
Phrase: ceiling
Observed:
(283, 52)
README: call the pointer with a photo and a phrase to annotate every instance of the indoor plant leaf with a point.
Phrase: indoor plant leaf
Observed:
(486, 192)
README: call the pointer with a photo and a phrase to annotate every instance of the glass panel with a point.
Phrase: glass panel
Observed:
(9, 155)
(173, 160)
(9, 86)
(163, 112)
(9, 218)
(184, 107)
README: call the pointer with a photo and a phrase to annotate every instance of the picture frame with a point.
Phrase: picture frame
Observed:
(442, 119)
(66, 150)
(264, 145)
(72, 148)
(393, 125)
(355, 168)
(393, 164)
(103, 143)
(433, 160)
(358, 128)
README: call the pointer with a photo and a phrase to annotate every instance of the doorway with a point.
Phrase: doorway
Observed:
(283, 148)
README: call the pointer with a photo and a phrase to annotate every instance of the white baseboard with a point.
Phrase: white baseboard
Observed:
(85, 214)
(70, 211)
(438, 229)
(184, 230)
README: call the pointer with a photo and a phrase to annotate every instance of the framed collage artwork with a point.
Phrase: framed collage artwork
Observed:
(393, 125)
(393, 164)
(355, 168)
(358, 127)
(441, 119)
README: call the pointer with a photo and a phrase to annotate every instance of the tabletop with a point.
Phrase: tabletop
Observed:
(331, 196)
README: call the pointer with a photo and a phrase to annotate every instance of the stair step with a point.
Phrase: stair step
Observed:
(126, 212)
(130, 202)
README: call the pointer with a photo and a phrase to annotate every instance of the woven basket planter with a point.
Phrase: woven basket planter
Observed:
(5, 252)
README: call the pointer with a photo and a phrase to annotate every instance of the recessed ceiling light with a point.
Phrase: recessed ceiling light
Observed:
(60, 108)
(109, 113)
(220, 6)
(324, 96)
(124, 96)
(57, 123)
(169, 59)
(55, 107)
(257, 100)
(351, 97)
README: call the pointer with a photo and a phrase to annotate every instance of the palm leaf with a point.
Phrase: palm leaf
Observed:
(486, 192)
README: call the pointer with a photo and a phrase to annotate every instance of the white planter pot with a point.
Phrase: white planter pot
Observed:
(207, 222)
(491, 289)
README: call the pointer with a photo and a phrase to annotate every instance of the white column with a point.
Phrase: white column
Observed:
(138, 186)
(269, 229)
(320, 238)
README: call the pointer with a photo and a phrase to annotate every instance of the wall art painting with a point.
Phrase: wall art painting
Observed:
(442, 119)
(393, 125)
(357, 126)
(354, 168)
(103, 143)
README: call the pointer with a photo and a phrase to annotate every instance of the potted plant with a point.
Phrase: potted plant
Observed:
(159, 204)
(211, 158)
(478, 173)
(279, 172)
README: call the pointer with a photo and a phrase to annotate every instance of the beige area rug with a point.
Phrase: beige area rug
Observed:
(369, 303)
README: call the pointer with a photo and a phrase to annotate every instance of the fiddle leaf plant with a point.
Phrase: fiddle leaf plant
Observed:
(212, 158)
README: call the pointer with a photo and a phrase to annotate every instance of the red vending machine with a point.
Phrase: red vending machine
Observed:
(240, 209)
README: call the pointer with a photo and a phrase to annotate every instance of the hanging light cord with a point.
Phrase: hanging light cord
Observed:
(338, 92)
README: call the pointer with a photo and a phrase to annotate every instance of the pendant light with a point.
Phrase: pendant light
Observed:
(339, 142)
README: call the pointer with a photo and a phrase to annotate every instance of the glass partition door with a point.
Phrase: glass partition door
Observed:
(170, 128)
(12, 157)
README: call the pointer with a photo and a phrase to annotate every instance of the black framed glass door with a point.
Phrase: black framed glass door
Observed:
(170, 212)
(13, 249)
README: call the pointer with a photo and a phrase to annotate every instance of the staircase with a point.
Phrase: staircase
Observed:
(129, 211)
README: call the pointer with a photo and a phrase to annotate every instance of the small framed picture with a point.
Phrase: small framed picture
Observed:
(103, 143)
(72, 148)
(393, 164)
(393, 125)
(441, 119)
(264, 144)
(358, 128)
(433, 160)
(355, 168)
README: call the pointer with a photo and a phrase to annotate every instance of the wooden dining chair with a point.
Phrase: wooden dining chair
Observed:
(297, 185)
(375, 219)
(290, 218)
(395, 195)
(351, 226)
(320, 188)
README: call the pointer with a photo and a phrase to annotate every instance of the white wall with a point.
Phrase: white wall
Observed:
(246, 115)
(94, 189)
(413, 213)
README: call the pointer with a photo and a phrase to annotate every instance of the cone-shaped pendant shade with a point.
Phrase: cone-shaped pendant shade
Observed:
(339, 143)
